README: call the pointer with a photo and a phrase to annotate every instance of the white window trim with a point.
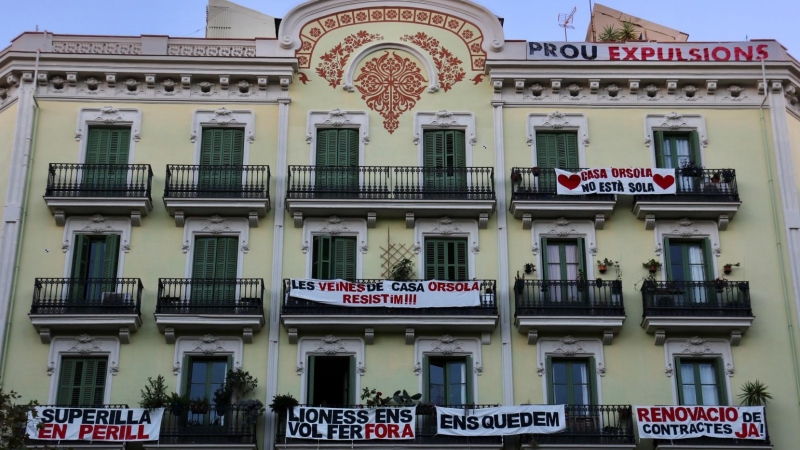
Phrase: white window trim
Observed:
(568, 347)
(674, 122)
(447, 228)
(96, 225)
(207, 345)
(438, 120)
(565, 229)
(83, 345)
(687, 229)
(223, 118)
(558, 121)
(334, 226)
(699, 348)
(108, 115)
(369, 50)
(215, 226)
(449, 346)
(329, 346)
(337, 118)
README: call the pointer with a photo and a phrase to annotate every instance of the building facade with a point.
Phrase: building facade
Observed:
(161, 194)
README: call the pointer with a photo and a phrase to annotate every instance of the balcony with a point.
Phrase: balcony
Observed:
(592, 306)
(710, 194)
(213, 426)
(424, 436)
(385, 191)
(533, 196)
(306, 316)
(107, 189)
(86, 305)
(217, 190)
(76, 445)
(192, 304)
(699, 307)
(590, 427)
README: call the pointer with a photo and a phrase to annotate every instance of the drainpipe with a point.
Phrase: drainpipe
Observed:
(778, 243)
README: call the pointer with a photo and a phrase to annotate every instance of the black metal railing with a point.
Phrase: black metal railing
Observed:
(390, 182)
(700, 185)
(244, 296)
(208, 424)
(87, 296)
(534, 183)
(568, 298)
(424, 433)
(299, 306)
(99, 180)
(220, 181)
(593, 425)
(697, 298)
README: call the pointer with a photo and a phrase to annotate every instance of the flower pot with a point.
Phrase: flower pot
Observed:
(519, 286)
(177, 409)
(616, 287)
(715, 179)
(602, 268)
(652, 268)
(199, 409)
(535, 171)
(598, 282)
(516, 177)
(727, 269)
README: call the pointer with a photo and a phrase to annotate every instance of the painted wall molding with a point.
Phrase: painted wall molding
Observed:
(207, 345)
(447, 345)
(223, 118)
(96, 225)
(445, 120)
(215, 226)
(558, 121)
(674, 121)
(329, 346)
(570, 347)
(697, 347)
(82, 346)
(368, 50)
(334, 226)
(563, 228)
(687, 229)
(337, 118)
(451, 228)
(108, 115)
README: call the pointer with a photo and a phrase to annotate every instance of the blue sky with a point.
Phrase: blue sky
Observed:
(704, 20)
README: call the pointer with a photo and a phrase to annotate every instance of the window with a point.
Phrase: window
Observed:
(204, 376)
(334, 258)
(680, 151)
(699, 382)
(448, 381)
(214, 269)
(444, 160)
(563, 260)
(82, 381)
(446, 259)
(557, 150)
(688, 261)
(337, 160)
(94, 266)
(571, 381)
(331, 380)
(221, 147)
(106, 158)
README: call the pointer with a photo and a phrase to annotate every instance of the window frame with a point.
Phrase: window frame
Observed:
(674, 122)
(700, 348)
(448, 346)
(318, 346)
(688, 230)
(82, 386)
(447, 360)
(105, 116)
(446, 227)
(186, 379)
(215, 226)
(96, 225)
(349, 227)
(208, 345)
(236, 118)
(446, 241)
(718, 375)
(568, 347)
(337, 118)
(589, 361)
(558, 121)
(82, 346)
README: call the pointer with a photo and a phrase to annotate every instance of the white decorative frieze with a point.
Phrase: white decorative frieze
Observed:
(231, 51)
(97, 48)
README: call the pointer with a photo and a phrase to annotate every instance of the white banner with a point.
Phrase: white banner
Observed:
(501, 421)
(682, 422)
(350, 424)
(95, 424)
(391, 294)
(616, 181)
(650, 51)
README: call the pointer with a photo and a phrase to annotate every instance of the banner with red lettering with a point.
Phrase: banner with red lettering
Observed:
(94, 424)
(682, 422)
(350, 424)
(651, 51)
(637, 181)
(390, 294)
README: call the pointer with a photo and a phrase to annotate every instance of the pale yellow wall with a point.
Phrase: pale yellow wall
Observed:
(794, 137)
(8, 121)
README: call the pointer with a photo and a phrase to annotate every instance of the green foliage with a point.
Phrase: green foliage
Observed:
(252, 410)
(403, 399)
(610, 33)
(651, 262)
(629, 31)
(14, 420)
(403, 270)
(240, 383)
(755, 394)
(374, 398)
(154, 395)
(281, 403)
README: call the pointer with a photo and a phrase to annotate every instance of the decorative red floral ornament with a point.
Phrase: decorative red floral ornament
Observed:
(332, 66)
(391, 85)
(448, 67)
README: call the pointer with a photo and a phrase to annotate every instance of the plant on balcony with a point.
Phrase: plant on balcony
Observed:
(251, 410)
(529, 268)
(13, 420)
(199, 405)
(374, 398)
(715, 177)
(154, 395)
(652, 265)
(727, 175)
(282, 402)
(240, 383)
(403, 399)
(581, 280)
(536, 171)
(602, 266)
(222, 399)
(403, 270)
(426, 409)
(720, 283)
(690, 168)
(728, 267)
(519, 286)
(754, 393)
(516, 177)
(178, 404)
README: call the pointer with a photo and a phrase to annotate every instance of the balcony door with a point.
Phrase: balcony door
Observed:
(221, 161)
(571, 381)
(447, 381)
(82, 382)
(446, 259)
(564, 264)
(106, 169)
(700, 382)
(336, 168)
(677, 151)
(331, 381)
(214, 270)
(444, 162)
(555, 150)
(94, 267)
(688, 262)
(334, 257)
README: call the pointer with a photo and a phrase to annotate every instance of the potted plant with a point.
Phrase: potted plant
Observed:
(652, 265)
(727, 175)
(743, 286)
(691, 169)
(602, 266)
(251, 410)
(581, 280)
(516, 177)
(715, 177)
(755, 394)
(598, 282)
(240, 383)
(154, 395)
(530, 268)
(178, 404)
(720, 283)
(535, 171)
(728, 268)
(199, 405)
(616, 287)
(222, 399)
(519, 286)
(426, 409)
(282, 402)
(403, 270)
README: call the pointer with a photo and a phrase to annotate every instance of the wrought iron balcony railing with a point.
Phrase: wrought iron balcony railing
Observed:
(242, 296)
(299, 306)
(87, 296)
(208, 424)
(223, 181)
(535, 184)
(388, 182)
(425, 432)
(568, 298)
(594, 425)
(719, 298)
(99, 180)
(695, 184)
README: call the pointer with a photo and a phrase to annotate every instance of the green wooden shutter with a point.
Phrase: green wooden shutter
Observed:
(222, 147)
(203, 252)
(344, 258)
(694, 147)
(549, 368)
(470, 379)
(723, 394)
(426, 388)
(459, 160)
(321, 264)
(667, 259)
(592, 381)
(571, 160)
(310, 380)
(351, 380)
(187, 367)
(82, 382)
(110, 258)
(658, 146)
(546, 151)
(432, 158)
(106, 146)
(80, 268)
(679, 379)
(64, 397)
(225, 268)
(431, 262)
(462, 270)
(544, 269)
(582, 255)
(708, 263)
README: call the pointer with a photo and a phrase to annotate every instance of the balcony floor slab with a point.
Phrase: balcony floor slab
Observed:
(391, 207)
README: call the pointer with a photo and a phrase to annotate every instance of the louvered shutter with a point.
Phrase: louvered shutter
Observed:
(235, 159)
(106, 146)
(571, 151)
(344, 258)
(667, 259)
(461, 269)
(211, 141)
(225, 264)
(93, 383)
(694, 147)
(65, 381)
(110, 258)
(550, 381)
(347, 160)
(325, 151)
(658, 146)
(203, 269)
(433, 159)
(545, 269)
(546, 158)
(708, 263)
(459, 160)
(321, 263)
(431, 262)
(350, 397)
(592, 381)
(469, 374)
(80, 268)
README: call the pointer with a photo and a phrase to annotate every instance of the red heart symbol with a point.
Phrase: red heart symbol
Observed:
(569, 182)
(663, 182)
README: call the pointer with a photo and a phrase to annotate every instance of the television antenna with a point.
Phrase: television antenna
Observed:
(565, 21)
